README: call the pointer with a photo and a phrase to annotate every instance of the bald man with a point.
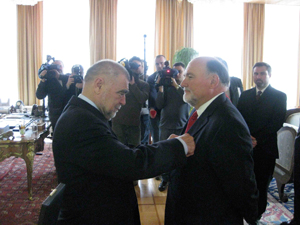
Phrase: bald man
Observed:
(217, 186)
(97, 169)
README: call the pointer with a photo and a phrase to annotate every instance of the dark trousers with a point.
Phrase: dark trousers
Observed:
(263, 169)
(154, 128)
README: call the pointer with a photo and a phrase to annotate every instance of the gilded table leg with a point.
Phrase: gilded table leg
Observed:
(28, 157)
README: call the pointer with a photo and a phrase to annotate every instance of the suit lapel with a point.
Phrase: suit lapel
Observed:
(204, 117)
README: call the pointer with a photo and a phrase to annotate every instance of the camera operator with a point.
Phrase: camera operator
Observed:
(54, 85)
(174, 111)
(126, 124)
(74, 84)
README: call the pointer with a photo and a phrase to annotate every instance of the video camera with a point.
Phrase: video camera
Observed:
(165, 75)
(49, 67)
(78, 77)
(129, 66)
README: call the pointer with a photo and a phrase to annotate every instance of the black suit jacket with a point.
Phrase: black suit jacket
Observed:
(217, 185)
(98, 170)
(264, 118)
(235, 89)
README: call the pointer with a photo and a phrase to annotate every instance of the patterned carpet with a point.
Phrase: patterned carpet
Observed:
(16, 209)
(278, 211)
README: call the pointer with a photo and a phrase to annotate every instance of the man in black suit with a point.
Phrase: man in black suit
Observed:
(263, 109)
(217, 186)
(97, 169)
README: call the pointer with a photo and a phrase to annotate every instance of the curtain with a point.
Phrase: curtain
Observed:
(103, 29)
(173, 27)
(30, 42)
(254, 18)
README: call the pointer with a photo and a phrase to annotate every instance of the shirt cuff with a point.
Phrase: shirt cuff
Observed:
(184, 145)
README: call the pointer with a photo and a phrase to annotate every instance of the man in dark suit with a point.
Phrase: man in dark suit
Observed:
(154, 112)
(97, 169)
(263, 109)
(235, 90)
(217, 185)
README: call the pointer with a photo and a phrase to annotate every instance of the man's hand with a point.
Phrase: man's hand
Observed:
(70, 81)
(254, 142)
(43, 73)
(174, 83)
(79, 85)
(189, 140)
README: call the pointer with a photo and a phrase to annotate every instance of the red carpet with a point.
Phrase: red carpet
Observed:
(15, 208)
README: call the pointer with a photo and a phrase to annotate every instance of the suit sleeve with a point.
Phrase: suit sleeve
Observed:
(98, 150)
(41, 91)
(233, 164)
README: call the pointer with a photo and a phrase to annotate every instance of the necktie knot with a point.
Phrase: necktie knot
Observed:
(191, 121)
(258, 95)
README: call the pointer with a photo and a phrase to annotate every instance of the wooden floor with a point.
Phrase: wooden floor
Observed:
(151, 202)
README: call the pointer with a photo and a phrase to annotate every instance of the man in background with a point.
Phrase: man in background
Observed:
(235, 86)
(217, 185)
(154, 112)
(174, 111)
(263, 109)
(127, 124)
(96, 168)
(55, 85)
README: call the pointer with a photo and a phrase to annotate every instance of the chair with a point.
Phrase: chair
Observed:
(284, 165)
(51, 206)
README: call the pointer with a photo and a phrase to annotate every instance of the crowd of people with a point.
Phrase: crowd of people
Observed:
(212, 144)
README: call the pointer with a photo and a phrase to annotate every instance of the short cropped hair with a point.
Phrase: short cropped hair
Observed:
(215, 66)
(135, 58)
(179, 64)
(105, 67)
(259, 64)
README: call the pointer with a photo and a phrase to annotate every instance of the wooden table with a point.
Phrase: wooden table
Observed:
(25, 147)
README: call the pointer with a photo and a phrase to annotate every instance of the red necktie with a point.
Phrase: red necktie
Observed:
(192, 120)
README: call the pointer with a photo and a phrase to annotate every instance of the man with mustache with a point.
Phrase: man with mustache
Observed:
(97, 169)
(263, 109)
(217, 186)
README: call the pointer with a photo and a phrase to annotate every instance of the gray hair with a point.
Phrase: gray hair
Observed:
(215, 66)
(105, 67)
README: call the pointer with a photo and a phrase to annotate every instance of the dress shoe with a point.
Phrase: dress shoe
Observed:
(163, 186)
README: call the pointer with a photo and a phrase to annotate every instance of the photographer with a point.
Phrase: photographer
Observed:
(126, 124)
(174, 111)
(74, 84)
(55, 85)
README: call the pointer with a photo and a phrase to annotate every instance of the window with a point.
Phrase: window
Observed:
(8, 56)
(66, 32)
(218, 32)
(281, 40)
(135, 19)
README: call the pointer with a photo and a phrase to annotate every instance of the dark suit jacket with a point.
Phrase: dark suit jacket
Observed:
(217, 185)
(98, 170)
(235, 89)
(264, 118)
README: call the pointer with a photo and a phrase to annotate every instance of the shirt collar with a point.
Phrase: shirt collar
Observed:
(202, 108)
(262, 91)
(84, 98)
